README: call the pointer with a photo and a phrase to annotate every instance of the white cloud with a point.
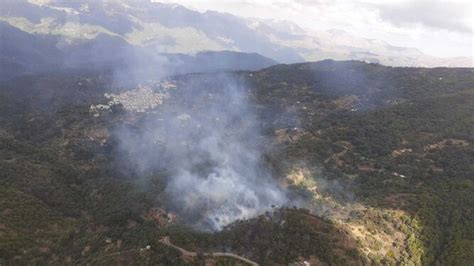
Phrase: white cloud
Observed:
(440, 28)
(435, 14)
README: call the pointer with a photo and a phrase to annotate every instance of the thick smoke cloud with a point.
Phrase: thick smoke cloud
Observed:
(206, 137)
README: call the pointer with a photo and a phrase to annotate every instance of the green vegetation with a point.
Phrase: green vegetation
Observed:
(430, 124)
(394, 139)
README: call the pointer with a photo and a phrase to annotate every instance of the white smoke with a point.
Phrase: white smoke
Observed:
(207, 136)
(225, 195)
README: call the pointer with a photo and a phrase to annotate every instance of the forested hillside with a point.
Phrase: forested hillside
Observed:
(377, 163)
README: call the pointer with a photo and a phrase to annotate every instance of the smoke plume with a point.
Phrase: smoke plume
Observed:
(206, 136)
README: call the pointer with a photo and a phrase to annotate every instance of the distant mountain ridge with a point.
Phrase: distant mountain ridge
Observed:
(22, 52)
(172, 28)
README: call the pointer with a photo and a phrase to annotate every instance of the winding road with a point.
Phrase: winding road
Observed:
(166, 240)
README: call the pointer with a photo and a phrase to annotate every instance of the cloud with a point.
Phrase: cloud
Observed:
(451, 16)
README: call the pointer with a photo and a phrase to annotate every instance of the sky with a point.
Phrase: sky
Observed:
(437, 28)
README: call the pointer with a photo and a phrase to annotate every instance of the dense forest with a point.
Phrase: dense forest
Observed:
(382, 158)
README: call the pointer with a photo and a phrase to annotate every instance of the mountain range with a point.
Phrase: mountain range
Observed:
(140, 133)
(36, 33)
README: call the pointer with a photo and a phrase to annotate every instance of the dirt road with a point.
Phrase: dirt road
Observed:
(166, 240)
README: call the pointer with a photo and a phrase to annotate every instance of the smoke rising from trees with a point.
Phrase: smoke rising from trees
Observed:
(206, 136)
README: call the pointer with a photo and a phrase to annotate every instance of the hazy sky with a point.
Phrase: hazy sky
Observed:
(439, 28)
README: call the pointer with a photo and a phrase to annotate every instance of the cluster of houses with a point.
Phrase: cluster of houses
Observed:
(139, 100)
